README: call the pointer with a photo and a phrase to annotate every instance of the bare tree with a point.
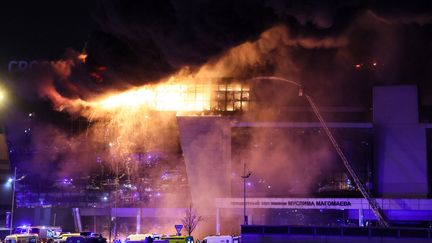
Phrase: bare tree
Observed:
(191, 219)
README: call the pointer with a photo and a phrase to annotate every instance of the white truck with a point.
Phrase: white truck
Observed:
(138, 238)
(221, 239)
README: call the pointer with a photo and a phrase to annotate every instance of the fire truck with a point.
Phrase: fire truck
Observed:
(44, 233)
(178, 239)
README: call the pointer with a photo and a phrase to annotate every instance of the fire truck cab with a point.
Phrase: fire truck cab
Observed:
(43, 233)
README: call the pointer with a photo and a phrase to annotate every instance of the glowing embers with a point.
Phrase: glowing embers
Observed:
(82, 57)
(368, 65)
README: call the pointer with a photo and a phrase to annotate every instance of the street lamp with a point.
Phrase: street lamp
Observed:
(3, 96)
(13, 199)
(245, 176)
(13, 181)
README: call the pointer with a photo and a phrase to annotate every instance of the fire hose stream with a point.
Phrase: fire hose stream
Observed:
(379, 214)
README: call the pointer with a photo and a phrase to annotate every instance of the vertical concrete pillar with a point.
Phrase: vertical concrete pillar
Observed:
(138, 221)
(249, 216)
(206, 146)
(77, 219)
(94, 224)
(217, 221)
(361, 217)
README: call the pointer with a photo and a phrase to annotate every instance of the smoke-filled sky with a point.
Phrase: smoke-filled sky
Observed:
(142, 41)
(89, 49)
(337, 49)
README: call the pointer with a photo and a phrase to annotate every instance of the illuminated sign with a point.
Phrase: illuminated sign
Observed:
(21, 65)
(323, 203)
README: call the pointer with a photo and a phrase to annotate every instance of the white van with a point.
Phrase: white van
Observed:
(138, 238)
(221, 239)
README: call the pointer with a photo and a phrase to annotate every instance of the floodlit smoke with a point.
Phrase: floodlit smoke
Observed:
(130, 115)
(127, 120)
(269, 54)
(58, 153)
(142, 118)
(281, 162)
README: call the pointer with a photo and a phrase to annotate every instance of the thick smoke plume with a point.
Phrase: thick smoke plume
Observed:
(126, 81)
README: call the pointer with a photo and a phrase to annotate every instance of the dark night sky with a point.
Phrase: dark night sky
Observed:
(145, 40)
(43, 29)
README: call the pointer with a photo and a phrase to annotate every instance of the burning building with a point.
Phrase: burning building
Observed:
(196, 138)
(129, 150)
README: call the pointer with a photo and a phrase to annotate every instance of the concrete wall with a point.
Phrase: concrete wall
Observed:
(400, 143)
(206, 145)
(133, 212)
(400, 149)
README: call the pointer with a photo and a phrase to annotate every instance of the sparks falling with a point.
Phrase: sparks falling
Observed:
(143, 118)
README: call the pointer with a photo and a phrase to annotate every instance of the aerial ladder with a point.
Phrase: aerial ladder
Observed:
(379, 214)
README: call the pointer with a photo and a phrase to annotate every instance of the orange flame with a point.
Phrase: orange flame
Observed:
(82, 57)
(163, 97)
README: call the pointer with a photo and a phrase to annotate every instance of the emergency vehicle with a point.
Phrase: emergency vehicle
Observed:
(21, 238)
(178, 239)
(135, 238)
(221, 239)
(44, 233)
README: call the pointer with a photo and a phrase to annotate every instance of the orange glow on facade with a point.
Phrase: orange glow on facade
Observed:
(178, 98)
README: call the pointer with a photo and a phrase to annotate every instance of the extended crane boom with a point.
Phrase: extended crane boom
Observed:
(372, 202)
